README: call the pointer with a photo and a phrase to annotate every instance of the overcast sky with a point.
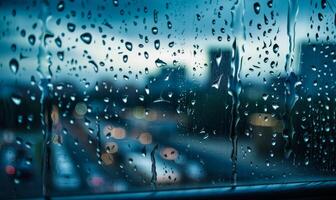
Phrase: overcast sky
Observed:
(191, 32)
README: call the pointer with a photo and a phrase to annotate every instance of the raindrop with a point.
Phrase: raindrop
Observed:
(153, 169)
(198, 16)
(146, 54)
(126, 78)
(13, 47)
(171, 44)
(31, 39)
(155, 30)
(125, 58)
(265, 97)
(249, 149)
(143, 151)
(71, 27)
(160, 63)
(60, 6)
(206, 136)
(157, 44)
(86, 38)
(32, 80)
(256, 7)
(217, 82)
(124, 99)
(95, 66)
(147, 90)
(17, 181)
(219, 59)
(320, 16)
(14, 12)
(16, 99)
(169, 25)
(60, 55)
(193, 102)
(23, 33)
(323, 4)
(14, 65)
(306, 162)
(306, 137)
(128, 46)
(275, 106)
(28, 145)
(275, 48)
(58, 42)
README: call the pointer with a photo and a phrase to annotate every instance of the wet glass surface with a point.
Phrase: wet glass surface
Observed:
(103, 97)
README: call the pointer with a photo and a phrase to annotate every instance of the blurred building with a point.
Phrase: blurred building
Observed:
(315, 117)
(316, 68)
(172, 78)
(220, 68)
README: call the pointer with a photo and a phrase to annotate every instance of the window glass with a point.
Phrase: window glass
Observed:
(123, 96)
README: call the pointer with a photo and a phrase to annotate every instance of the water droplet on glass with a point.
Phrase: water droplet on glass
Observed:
(95, 66)
(23, 33)
(160, 63)
(16, 99)
(157, 44)
(124, 99)
(206, 136)
(169, 25)
(31, 39)
(147, 90)
(128, 46)
(14, 65)
(13, 47)
(193, 102)
(171, 44)
(115, 2)
(256, 7)
(17, 181)
(265, 97)
(125, 58)
(60, 6)
(155, 30)
(275, 106)
(60, 55)
(320, 16)
(217, 82)
(249, 149)
(219, 59)
(71, 27)
(86, 38)
(58, 42)
(275, 48)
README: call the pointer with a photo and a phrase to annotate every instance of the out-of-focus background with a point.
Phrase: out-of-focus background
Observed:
(114, 96)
